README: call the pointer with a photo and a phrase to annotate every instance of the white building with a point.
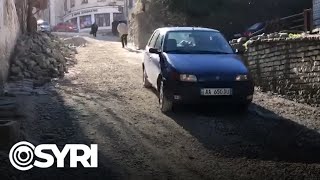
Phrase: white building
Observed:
(316, 13)
(53, 13)
(128, 7)
(56, 11)
(84, 13)
(43, 14)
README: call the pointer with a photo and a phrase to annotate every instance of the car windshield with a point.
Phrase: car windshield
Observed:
(196, 42)
(45, 23)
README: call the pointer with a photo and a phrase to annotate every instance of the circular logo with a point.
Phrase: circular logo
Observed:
(22, 155)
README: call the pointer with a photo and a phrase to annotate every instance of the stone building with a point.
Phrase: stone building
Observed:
(83, 13)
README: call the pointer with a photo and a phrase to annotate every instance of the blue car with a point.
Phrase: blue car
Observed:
(188, 65)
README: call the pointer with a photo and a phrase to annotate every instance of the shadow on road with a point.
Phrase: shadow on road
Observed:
(249, 135)
(100, 37)
(109, 38)
(132, 50)
(53, 121)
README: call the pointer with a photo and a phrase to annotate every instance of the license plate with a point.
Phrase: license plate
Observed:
(216, 92)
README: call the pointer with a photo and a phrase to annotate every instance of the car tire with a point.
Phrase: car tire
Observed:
(166, 105)
(146, 82)
(243, 108)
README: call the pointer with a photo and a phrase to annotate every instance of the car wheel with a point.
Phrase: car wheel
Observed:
(146, 82)
(243, 108)
(166, 105)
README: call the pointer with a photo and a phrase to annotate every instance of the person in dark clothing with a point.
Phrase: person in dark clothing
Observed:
(94, 29)
(124, 40)
(123, 31)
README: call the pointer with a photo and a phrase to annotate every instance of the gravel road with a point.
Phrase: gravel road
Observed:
(101, 100)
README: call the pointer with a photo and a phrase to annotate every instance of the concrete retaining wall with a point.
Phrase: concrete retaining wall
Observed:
(287, 66)
(9, 31)
(21, 8)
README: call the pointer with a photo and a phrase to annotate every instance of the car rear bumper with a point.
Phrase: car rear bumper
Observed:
(190, 93)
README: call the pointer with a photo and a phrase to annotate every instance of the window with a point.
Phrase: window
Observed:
(154, 38)
(158, 44)
(256, 26)
(120, 9)
(85, 21)
(102, 20)
(72, 3)
(118, 17)
(149, 42)
(74, 22)
(84, 2)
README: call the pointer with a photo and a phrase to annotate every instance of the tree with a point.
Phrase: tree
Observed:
(31, 20)
(233, 16)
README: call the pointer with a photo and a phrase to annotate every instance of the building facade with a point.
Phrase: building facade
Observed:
(9, 30)
(128, 8)
(83, 13)
(56, 11)
(316, 13)
(43, 13)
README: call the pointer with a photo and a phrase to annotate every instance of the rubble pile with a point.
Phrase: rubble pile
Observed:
(243, 42)
(41, 57)
(75, 41)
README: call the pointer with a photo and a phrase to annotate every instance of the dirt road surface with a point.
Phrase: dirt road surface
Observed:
(102, 101)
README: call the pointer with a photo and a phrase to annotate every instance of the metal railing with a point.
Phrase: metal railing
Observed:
(297, 22)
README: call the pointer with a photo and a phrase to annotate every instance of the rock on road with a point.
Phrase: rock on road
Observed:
(102, 101)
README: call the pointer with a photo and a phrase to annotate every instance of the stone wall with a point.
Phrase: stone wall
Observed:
(147, 16)
(287, 66)
(139, 31)
(9, 31)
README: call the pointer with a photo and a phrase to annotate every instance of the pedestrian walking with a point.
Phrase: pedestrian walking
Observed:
(94, 29)
(123, 32)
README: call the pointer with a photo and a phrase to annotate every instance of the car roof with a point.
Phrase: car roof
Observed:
(170, 29)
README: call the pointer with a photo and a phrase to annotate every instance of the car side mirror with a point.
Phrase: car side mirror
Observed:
(154, 51)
